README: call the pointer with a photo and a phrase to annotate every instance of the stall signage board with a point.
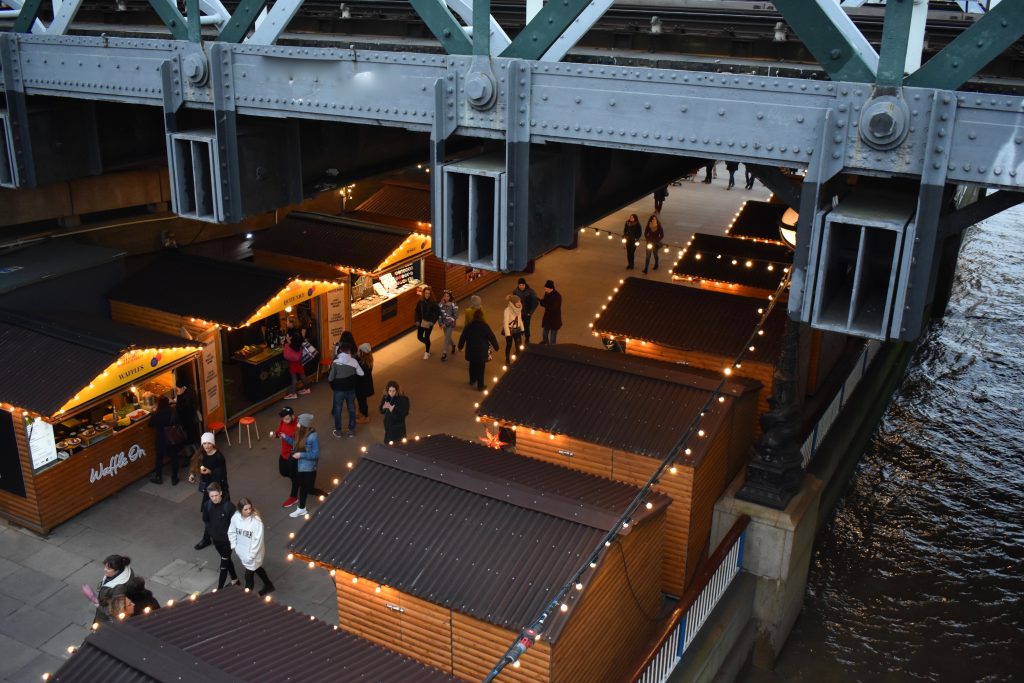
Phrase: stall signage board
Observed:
(209, 371)
(117, 462)
(414, 245)
(335, 316)
(41, 444)
(129, 367)
(296, 292)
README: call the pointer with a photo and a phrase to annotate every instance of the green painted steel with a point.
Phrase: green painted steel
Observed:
(241, 21)
(892, 57)
(27, 16)
(543, 30)
(193, 19)
(825, 41)
(482, 27)
(171, 17)
(969, 52)
(439, 19)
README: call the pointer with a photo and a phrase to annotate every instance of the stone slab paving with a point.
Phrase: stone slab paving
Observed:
(41, 579)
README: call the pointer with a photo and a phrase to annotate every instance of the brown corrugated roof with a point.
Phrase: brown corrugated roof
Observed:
(404, 200)
(724, 259)
(758, 221)
(332, 240)
(700, 320)
(232, 635)
(483, 532)
(634, 404)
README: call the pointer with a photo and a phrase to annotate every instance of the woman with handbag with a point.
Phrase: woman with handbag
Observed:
(427, 313)
(170, 436)
(293, 355)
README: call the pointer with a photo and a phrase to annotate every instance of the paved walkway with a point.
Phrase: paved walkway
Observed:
(42, 610)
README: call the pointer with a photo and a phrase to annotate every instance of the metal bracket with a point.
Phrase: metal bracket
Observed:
(226, 128)
(517, 158)
(17, 139)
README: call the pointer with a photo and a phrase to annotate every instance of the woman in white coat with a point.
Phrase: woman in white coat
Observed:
(512, 326)
(247, 540)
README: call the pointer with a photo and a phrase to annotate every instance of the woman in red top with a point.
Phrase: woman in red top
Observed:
(286, 464)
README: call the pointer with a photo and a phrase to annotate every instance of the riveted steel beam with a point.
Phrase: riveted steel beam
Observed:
(442, 23)
(27, 16)
(193, 18)
(275, 22)
(969, 52)
(895, 38)
(544, 29)
(241, 21)
(829, 34)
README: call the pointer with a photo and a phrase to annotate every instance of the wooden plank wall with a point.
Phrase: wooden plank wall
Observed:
(441, 276)
(477, 646)
(625, 589)
(23, 511)
(368, 326)
(709, 481)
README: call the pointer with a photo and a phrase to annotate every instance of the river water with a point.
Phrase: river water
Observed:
(920, 574)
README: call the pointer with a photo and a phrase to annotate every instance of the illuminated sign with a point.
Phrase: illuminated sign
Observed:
(117, 462)
(296, 292)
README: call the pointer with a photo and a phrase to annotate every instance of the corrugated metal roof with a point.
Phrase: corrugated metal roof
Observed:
(450, 532)
(331, 240)
(232, 635)
(51, 356)
(51, 259)
(758, 221)
(226, 292)
(724, 259)
(700, 320)
(404, 200)
(635, 404)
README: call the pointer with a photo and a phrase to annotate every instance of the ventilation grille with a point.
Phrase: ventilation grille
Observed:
(8, 167)
(195, 176)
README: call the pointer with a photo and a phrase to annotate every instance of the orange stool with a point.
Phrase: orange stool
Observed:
(248, 421)
(218, 426)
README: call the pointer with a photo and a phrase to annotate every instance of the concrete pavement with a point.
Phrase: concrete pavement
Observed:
(42, 610)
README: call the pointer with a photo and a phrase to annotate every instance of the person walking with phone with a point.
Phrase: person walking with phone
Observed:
(210, 467)
(449, 315)
(653, 234)
(394, 406)
(427, 313)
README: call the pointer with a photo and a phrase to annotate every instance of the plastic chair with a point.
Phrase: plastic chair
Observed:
(248, 421)
(219, 426)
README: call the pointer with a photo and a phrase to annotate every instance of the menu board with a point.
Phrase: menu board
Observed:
(209, 371)
(335, 316)
(41, 444)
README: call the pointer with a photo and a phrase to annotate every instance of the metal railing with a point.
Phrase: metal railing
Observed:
(824, 424)
(707, 588)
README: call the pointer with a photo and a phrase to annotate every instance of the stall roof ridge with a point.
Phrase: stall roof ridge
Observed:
(198, 640)
(402, 199)
(50, 259)
(526, 483)
(703, 320)
(625, 402)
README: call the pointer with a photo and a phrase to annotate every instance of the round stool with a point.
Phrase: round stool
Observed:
(219, 426)
(248, 421)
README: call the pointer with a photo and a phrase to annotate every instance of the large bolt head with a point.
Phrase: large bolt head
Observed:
(194, 68)
(480, 90)
(884, 122)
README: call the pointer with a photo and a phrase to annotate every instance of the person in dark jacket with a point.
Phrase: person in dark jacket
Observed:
(344, 380)
(394, 406)
(476, 338)
(631, 234)
(217, 512)
(138, 598)
(749, 176)
(210, 467)
(364, 384)
(653, 234)
(162, 418)
(116, 574)
(530, 303)
(551, 323)
(732, 167)
(427, 313)
(188, 415)
(660, 195)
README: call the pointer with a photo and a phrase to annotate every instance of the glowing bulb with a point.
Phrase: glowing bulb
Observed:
(649, 505)
(564, 607)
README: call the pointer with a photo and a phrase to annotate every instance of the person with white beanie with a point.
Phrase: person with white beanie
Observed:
(248, 541)
(208, 468)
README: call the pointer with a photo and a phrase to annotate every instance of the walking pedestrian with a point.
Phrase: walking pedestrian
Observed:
(217, 514)
(551, 323)
(187, 413)
(343, 378)
(512, 325)
(427, 313)
(709, 170)
(477, 338)
(530, 303)
(394, 406)
(293, 355)
(286, 464)
(138, 598)
(750, 176)
(162, 418)
(475, 304)
(631, 234)
(364, 383)
(210, 467)
(732, 167)
(246, 536)
(116, 574)
(653, 234)
(306, 453)
(660, 195)
(449, 315)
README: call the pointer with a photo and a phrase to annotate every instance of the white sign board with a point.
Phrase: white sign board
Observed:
(210, 376)
(41, 444)
(335, 315)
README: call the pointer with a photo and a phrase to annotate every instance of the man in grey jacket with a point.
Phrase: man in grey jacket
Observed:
(345, 371)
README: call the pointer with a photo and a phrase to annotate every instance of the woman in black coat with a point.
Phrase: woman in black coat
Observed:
(364, 384)
(162, 418)
(476, 338)
(427, 313)
(188, 414)
(394, 406)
